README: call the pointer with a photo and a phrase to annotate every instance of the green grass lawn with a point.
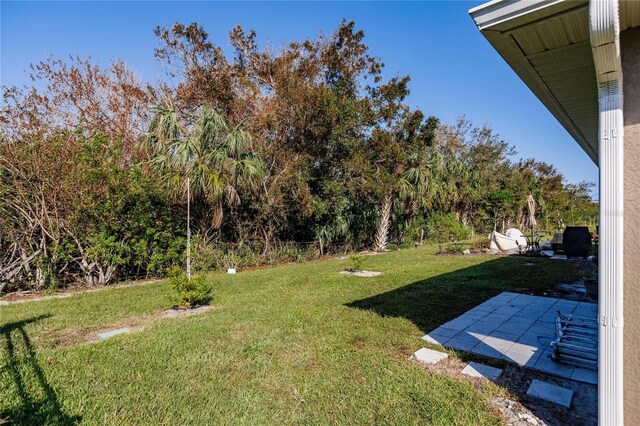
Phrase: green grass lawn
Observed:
(295, 344)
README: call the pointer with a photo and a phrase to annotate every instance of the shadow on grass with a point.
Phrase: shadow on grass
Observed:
(435, 300)
(37, 402)
(431, 302)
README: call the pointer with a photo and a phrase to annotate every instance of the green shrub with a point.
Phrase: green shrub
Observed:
(188, 293)
(454, 249)
(357, 262)
(445, 227)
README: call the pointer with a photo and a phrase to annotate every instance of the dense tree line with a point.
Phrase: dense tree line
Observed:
(307, 143)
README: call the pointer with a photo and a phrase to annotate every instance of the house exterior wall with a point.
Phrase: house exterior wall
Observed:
(630, 53)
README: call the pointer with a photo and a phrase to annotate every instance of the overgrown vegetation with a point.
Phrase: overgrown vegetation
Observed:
(307, 144)
(215, 256)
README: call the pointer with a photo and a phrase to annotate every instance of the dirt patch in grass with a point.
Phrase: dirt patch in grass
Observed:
(72, 337)
(312, 366)
(364, 274)
(37, 295)
(176, 313)
(358, 342)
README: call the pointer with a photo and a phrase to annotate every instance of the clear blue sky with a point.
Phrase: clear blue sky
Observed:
(453, 69)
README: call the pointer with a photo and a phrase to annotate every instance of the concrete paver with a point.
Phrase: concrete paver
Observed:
(550, 392)
(475, 369)
(429, 356)
(517, 328)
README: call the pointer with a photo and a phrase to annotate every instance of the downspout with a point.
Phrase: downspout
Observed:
(605, 45)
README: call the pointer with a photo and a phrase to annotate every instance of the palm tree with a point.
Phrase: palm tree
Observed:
(413, 186)
(382, 234)
(209, 161)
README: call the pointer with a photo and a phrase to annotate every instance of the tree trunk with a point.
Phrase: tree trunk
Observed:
(520, 218)
(464, 218)
(380, 243)
(15, 263)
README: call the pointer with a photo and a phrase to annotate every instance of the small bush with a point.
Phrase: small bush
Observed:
(454, 249)
(189, 293)
(357, 262)
(445, 227)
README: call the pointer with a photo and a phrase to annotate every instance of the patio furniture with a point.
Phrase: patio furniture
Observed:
(517, 235)
(556, 242)
(533, 244)
(506, 244)
(576, 341)
(576, 241)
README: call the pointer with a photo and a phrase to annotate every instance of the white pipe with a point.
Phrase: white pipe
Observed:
(605, 44)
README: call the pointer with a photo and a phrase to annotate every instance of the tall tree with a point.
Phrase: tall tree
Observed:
(404, 166)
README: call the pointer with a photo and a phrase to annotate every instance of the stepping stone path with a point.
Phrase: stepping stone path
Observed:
(429, 356)
(552, 393)
(475, 369)
(111, 333)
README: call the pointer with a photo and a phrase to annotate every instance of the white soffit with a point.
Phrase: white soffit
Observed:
(547, 45)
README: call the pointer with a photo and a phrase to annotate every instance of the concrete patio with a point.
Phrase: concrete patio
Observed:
(517, 328)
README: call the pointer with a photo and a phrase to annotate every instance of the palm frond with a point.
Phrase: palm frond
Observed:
(213, 154)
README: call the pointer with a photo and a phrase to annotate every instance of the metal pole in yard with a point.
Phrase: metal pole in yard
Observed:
(188, 229)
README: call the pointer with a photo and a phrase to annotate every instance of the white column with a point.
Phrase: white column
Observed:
(610, 377)
(605, 43)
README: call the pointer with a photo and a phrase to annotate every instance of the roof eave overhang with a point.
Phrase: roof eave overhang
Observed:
(504, 14)
(497, 19)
